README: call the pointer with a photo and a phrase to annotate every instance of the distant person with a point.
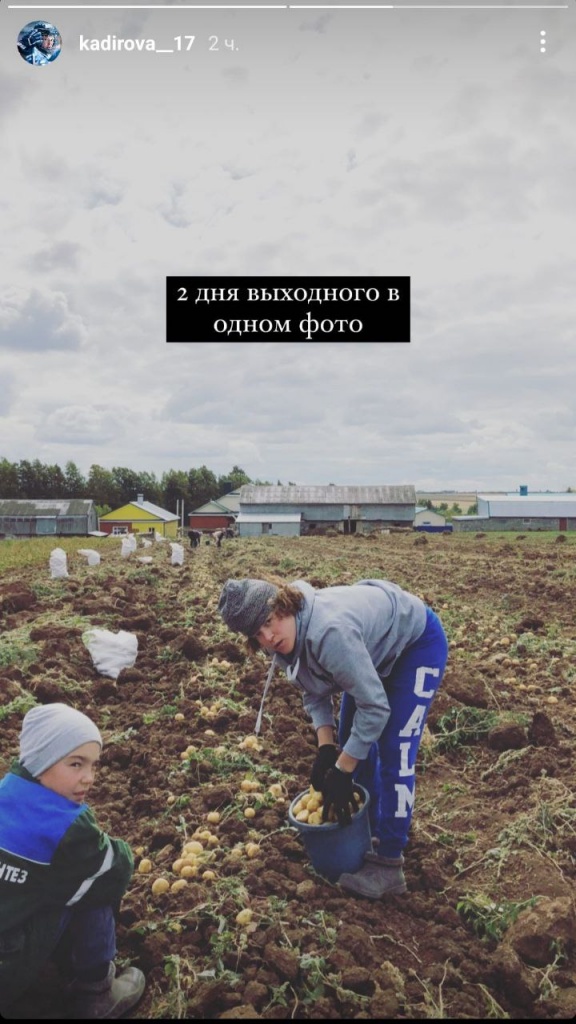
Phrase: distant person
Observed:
(39, 42)
(195, 538)
(384, 651)
(61, 877)
(218, 537)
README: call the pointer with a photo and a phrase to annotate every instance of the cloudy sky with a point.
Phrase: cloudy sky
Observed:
(438, 144)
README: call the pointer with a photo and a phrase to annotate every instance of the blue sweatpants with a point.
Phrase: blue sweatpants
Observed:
(88, 940)
(388, 773)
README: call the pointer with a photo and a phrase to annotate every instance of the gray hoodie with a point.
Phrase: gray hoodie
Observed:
(348, 639)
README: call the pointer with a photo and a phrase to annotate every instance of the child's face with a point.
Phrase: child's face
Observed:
(278, 634)
(73, 776)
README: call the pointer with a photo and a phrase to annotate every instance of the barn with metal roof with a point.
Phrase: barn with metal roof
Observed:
(47, 517)
(522, 510)
(312, 509)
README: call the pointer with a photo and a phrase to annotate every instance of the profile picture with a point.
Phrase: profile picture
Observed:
(39, 42)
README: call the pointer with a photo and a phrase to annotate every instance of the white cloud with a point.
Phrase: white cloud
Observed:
(38, 322)
(326, 144)
(81, 424)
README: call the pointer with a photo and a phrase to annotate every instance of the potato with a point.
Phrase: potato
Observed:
(309, 808)
(249, 812)
(252, 849)
(249, 786)
(193, 846)
(250, 743)
(213, 817)
(178, 885)
(243, 917)
(160, 885)
(145, 866)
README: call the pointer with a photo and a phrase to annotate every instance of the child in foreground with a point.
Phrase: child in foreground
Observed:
(61, 877)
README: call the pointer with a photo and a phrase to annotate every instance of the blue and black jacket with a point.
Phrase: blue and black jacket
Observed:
(52, 855)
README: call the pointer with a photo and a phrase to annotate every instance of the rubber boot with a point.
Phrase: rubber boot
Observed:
(107, 999)
(377, 878)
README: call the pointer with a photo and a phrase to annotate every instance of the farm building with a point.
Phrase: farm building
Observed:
(427, 520)
(520, 510)
(283, 524)
(47, 517)
(216, 514)
(306, 509)
(140, 517)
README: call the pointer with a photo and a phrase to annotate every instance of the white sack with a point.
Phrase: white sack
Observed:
(128, 545)
(177, 554)
(158, 536)
(146, 543)
(111, 652)
(58, 564)
(93, 557)
(146, 559)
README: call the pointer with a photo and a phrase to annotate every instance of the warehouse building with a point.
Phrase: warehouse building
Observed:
(255, 524)
(521, 510)
(47, 517)
(303, 510)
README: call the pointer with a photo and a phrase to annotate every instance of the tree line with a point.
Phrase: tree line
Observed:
(112, 488)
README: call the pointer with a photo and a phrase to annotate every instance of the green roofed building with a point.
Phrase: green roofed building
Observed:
(47, 517)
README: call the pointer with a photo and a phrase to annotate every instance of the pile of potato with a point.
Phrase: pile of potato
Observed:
(197, 854)
(309, 808)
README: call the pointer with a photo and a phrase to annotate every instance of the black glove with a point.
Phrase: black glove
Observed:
(325, 759)
(34, 38)
(338, 793)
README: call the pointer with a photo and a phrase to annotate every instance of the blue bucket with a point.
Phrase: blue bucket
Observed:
(332, 848)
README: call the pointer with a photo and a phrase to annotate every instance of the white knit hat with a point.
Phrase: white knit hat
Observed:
(52, 731)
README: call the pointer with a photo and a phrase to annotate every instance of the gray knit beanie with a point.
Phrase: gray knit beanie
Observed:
(246, 604)
(52, 731)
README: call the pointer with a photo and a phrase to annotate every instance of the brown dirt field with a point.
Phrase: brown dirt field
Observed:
(488, 926)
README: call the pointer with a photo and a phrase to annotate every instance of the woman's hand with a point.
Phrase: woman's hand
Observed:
(338, 794)
(325, 759)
